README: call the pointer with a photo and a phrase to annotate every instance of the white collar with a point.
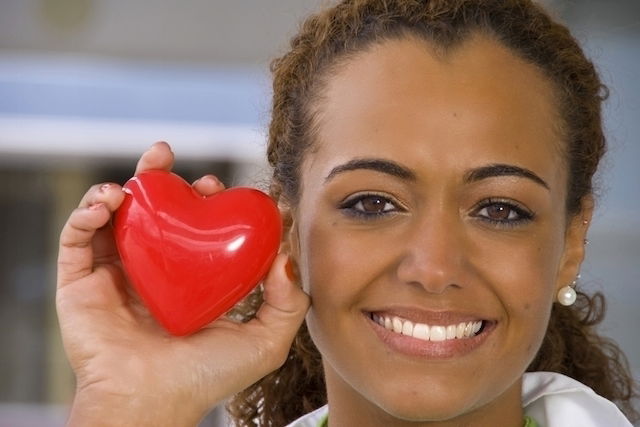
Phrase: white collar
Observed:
(555, 400)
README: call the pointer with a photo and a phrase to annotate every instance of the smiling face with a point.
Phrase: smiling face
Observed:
(431, 231)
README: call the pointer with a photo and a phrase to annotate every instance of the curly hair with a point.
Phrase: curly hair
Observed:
(572, 345)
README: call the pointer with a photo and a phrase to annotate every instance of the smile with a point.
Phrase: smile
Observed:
(422, 331)
(430, 335)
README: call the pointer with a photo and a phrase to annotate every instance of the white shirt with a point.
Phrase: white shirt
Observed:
(551, 399)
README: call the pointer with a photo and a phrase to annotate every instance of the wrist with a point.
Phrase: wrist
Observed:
(101, 409)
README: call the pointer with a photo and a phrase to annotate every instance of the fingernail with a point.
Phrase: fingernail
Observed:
(105, 187)
(157, 144)
(213, 179)
(96, 206)
(289, 270)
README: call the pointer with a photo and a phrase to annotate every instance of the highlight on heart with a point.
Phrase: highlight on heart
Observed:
(191, 258)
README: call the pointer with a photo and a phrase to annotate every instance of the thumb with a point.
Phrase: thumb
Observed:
(285, 304)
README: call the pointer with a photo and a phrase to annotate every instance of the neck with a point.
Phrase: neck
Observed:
(347, 407)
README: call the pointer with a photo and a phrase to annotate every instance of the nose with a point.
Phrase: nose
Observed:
(434, 256)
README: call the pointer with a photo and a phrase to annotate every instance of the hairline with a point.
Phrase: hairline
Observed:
(441, 49)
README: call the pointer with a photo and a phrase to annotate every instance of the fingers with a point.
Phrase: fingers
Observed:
(208, 185)
(76, 252)
(242, 353)
(159, 156)
(107, 193)
(75, 256)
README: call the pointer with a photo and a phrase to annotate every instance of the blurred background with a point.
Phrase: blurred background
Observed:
(88, 85)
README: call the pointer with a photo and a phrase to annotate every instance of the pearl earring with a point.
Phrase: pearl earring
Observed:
(567, 295)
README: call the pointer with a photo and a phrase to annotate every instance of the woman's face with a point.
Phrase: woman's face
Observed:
(432, 205)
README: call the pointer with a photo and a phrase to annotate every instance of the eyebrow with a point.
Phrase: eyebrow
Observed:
(394, 169)
(379, 165)
(495, 170)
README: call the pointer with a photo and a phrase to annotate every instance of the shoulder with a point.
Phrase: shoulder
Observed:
(555, 400)
(312, 419)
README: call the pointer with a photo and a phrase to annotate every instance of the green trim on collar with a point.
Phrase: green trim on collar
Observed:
(324, 421)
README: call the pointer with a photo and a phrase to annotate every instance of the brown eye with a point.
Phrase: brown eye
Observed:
(500, 212)
(369, 206)
(374, 204)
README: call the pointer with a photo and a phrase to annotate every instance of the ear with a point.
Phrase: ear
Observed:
(575, 242)
(290, 243)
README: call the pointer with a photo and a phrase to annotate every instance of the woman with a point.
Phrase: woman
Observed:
(433, 163)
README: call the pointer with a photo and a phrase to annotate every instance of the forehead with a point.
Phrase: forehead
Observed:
(478, 104)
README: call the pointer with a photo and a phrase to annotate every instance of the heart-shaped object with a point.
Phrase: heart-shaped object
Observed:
(190, 257)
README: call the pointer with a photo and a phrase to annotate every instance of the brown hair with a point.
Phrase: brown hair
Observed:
(571, 345)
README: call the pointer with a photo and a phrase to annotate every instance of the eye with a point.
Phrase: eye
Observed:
(503, 213)
(368, 206)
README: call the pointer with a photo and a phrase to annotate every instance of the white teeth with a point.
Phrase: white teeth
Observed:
(426, 332)
(421, 331)
(407, 328)
(468, 329)
(476, 327)
(460, 330)
(438, 333)
(387, 323)
(451, 331)
(397, 325)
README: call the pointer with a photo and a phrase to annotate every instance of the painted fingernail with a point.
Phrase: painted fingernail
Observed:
(289, 270)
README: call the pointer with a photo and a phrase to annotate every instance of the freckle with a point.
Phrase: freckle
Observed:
(527, 306)
(334, 224)
(455, 114)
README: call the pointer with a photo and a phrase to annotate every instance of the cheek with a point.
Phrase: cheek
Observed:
(523, 278)
(341, 262)
(338, 265)
(324, 259)
(333, 260)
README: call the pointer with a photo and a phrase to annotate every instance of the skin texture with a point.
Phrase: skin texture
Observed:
(435, 248)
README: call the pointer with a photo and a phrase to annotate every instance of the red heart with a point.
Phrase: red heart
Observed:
(191, 258)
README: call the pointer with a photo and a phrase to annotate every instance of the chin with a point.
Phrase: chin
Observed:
(424, 408)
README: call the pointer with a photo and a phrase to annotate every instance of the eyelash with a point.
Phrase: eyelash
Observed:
(349, 206)
(524, 215)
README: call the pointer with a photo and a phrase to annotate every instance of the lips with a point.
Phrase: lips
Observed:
(432, 335)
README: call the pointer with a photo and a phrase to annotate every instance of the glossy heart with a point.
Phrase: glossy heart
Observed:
(189, 257)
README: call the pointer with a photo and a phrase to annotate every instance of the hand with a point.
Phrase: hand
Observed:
(129, 371)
